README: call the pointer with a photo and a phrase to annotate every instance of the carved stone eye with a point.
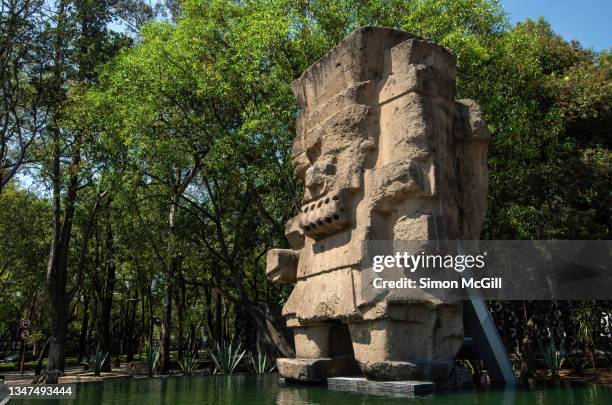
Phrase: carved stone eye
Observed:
(336, 197)
(327, 200)
(336, 216)
(328, 220)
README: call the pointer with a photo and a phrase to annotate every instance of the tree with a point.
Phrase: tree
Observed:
(23, 247)
(22, 64)
(78, 41)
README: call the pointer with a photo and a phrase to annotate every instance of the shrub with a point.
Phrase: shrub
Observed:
(151, 361)
(554, 359)
(261, 363)
(96, 361)
(226, 357)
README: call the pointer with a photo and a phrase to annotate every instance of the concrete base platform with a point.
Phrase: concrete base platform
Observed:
(399, 389)
(316, 370)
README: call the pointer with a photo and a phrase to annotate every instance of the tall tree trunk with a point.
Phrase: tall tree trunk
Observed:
(59, 318)
(84, 330)
(172, 268)
(57, 266)
(151, 320)
(130, 335)
(218, 318)
(109, 290)
(267, 327)
(79, 277)
(41, 356)
(142, 321)
(166, 327)
(209, 314)
(181, 314)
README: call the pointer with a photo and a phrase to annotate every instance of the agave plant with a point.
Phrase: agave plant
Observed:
(96, 361)
(151, 361)
(261, 363)
(189, 363)
(585, 319)
(226, 357)
(554, 358)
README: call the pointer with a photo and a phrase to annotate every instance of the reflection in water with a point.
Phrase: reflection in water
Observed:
(266, 390)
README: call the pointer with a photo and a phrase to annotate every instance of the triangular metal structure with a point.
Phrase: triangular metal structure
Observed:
(487, 342)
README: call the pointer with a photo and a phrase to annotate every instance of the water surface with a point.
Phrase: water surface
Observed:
(265, 389)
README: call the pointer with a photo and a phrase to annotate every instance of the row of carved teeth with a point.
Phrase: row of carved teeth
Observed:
(329, 220)
(318, 204)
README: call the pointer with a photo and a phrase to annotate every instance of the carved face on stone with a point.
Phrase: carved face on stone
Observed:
(330, 162)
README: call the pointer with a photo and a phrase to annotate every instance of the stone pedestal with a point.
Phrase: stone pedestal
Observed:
(316, 370)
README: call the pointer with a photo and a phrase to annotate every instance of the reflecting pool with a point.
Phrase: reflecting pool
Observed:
(265, 389)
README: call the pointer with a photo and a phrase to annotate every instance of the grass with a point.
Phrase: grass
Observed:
(30, 365)
(72, 361)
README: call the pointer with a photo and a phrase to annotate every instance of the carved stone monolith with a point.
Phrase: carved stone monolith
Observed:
(386, 153)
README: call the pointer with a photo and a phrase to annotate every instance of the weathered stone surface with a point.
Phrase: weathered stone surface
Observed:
(335, 297)
(316, 370)
(471, 148)
(282, 265)
(385, 153)
(312, 342)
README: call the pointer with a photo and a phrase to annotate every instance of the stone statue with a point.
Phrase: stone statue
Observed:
(386, 153)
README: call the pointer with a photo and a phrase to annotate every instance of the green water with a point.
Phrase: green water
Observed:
(265, 389)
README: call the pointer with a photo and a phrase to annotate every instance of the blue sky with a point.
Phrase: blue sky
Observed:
(588, 21)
